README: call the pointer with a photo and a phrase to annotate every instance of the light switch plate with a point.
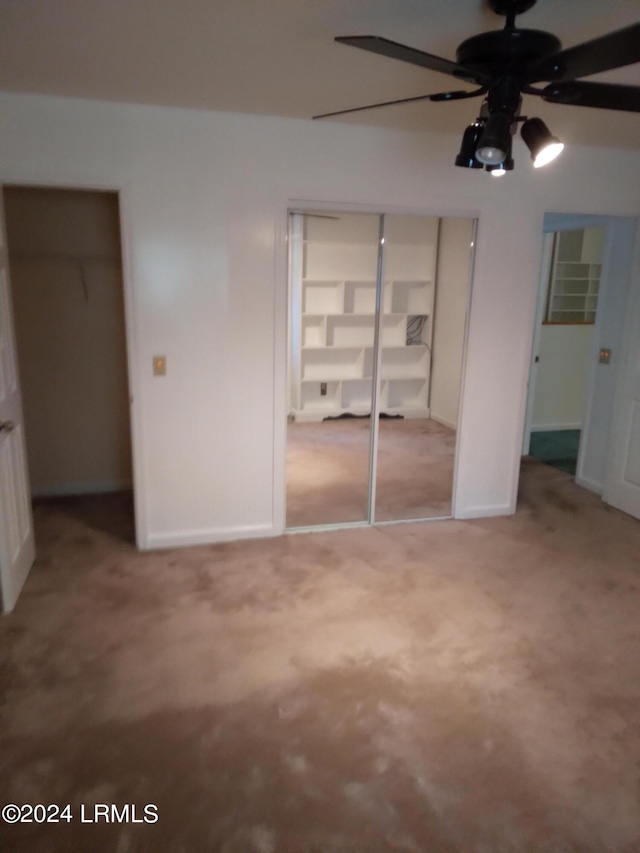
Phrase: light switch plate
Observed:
(159, 365)
(605, 356)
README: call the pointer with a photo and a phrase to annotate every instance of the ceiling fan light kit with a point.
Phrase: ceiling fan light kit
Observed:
(491, 144)
(494, 142)
(544, 147)
(470, 139)
(506, 165)
(504, 65)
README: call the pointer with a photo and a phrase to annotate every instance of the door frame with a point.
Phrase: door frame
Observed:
(543, 286)
(556, 222)
(282, 333)
(123, 194)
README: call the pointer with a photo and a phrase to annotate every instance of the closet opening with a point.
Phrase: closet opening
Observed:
(65, 259)
(377, 328)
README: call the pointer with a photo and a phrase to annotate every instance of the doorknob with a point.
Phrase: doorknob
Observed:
(6, 426)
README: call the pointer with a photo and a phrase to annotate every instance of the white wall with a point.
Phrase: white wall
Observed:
(204, 199)
(452, 290)
(66, 275)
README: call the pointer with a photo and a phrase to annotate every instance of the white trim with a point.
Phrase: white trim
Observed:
(422, 520)
(523, 392)
(355, 525)
(209, 536)
(554, 222)
(556, 427)
(89, 183)
(485, 511)
(443, 421)
(376, 387)
(591, 485)
(301, 205)
(140, 513)
(66, 489)
(546, 262)
(325, 528)
(463, 377)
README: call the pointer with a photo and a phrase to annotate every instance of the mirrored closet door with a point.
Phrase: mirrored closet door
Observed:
(377, 316)
(427, 262)
(333, 260)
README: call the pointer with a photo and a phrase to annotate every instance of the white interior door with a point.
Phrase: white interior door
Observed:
(622, 484)
(17, 547)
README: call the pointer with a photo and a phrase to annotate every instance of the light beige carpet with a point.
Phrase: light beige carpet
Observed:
(425, 688)
(328, 471)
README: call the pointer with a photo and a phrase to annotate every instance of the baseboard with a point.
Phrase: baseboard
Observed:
(444, 421)
(207, 536)
(555, 427)
(591, 485)
(483, 511)
(59, 490)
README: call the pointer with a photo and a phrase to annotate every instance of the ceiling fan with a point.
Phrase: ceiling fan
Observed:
(506, 64)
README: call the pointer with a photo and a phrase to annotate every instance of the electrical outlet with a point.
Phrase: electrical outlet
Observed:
(159, 365)
(323, 389)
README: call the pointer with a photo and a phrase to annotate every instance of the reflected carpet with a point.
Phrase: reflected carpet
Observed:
(328, 471)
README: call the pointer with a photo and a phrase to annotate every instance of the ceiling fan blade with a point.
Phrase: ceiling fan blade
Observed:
(614, 50)
(386, 47)
(439, 96)
(605, 96)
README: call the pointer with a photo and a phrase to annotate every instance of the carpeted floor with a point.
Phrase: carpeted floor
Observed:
(422, 688)
(328, 471)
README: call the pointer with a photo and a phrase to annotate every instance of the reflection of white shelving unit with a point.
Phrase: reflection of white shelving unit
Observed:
(333, 272)
(575, 276)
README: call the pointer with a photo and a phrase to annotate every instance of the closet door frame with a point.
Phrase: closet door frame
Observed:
(376, 384)
(282, 323)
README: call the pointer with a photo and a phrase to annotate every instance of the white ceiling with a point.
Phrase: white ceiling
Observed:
(278, 57)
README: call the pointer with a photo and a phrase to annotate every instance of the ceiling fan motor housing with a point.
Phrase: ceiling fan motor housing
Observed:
(506, 8)
(505, 52)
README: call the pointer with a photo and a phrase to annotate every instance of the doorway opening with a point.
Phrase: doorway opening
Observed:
(570, 278)
(65, 260)
(377, 328)
(580, 356)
